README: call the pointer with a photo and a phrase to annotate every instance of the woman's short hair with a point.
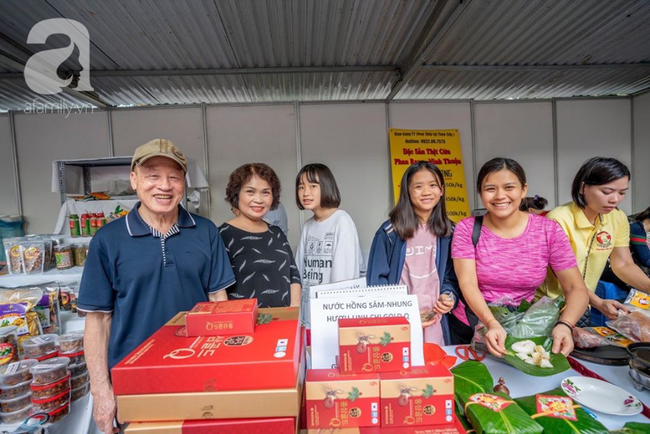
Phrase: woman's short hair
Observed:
(320, 174)
(596, 171)
(243, 174)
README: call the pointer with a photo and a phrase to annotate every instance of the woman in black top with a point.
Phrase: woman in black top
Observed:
(259, 253)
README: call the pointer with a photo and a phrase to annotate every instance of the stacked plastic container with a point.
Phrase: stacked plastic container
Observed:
(72, 347)
(51, 388)
(15, 391)
(41, 348)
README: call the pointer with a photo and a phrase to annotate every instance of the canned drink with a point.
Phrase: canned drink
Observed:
(101, 220)
(75, 229)
(85, 225)
(93, 224)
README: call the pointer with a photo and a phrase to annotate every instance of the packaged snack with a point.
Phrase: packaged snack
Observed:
(77, 368)
(79, 380)
(71, 342)
(59, 413)
(39, 346)
(635, 326)
(585, 339)
(16, 373)
(63, 257)
(17, 416)
(50, 371)
(48, 309)
(48, 252)
(80, 392)
(14, 255)
(50, 390)
(33, 253)
(9, 392)
(48, 404)
(611, 336)
(65, 302)
(76, 297)
(637, 300)
(8, 345)
(21, 315)
(15, 404)
(557, 413)
(79, 253)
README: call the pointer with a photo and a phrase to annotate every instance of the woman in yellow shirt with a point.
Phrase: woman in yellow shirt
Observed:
(598, 230)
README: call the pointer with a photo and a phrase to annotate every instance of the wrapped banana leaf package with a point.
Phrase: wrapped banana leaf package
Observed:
(558, 414)
(488, 412)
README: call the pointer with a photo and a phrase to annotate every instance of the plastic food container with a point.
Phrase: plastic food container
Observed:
(17, 416)
(48, 404)
(50, 390)
(59, 413)
(80, 392)
(50, 371)
(16, 373)
(39, 346)
(79, 380)
(75, 358)
(9, 392)
(8, 345)
(78, 369)
(15, 404)
(71, 342)
(49, 356)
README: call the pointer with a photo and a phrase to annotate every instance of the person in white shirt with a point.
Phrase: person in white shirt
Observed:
(329, 249)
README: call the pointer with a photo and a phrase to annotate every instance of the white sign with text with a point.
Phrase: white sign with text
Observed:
(325, 313)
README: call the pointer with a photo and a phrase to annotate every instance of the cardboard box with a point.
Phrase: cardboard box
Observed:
(214, 405)
(334, 400)
(284, 425)
(169, 362)
(374, 344)
(222, 318)
(417, 397)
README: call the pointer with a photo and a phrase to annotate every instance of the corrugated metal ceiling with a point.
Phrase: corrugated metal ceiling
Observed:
(172, 35)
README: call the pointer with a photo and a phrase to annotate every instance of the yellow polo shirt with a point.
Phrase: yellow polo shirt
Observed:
(592, 244)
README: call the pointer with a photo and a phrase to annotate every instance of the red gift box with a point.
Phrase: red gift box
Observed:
(453, 428)
(374, 344)
(416, 397)
(334, 400)
(170, 362)
(281, 425)
(222, 318)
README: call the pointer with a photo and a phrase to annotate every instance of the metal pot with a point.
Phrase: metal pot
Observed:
(640, 354)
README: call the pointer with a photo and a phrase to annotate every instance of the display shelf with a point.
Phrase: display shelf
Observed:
(72, 275)
(85, 166)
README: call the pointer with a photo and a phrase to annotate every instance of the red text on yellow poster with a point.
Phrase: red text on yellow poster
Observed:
(440, 147)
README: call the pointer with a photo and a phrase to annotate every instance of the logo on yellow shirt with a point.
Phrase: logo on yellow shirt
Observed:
(604, 240)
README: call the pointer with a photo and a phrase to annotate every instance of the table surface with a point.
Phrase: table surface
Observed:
(521, 384)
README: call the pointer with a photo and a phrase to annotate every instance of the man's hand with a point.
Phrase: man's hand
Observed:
(104, 409)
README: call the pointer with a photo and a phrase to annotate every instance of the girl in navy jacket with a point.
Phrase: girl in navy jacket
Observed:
(413, 248)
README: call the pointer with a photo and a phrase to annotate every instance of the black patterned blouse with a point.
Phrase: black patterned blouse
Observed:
(263, 264)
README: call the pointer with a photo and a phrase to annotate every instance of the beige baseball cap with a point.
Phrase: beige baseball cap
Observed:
(158, 148)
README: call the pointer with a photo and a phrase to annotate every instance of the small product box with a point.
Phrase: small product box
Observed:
(374, 344)
(335, 400)
(222, 318)
(421, 396)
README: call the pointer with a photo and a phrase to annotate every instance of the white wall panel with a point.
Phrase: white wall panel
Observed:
(183, 126)
(351, 139)
(7, 190)
(523, 132)
(590, 128)
(641, 174)
(44, 138)
(440, 116)
(253, 134)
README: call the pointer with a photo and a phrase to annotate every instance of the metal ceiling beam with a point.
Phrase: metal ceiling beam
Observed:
(233, 71)
(10, 61)
(530, 68)
(428, 43)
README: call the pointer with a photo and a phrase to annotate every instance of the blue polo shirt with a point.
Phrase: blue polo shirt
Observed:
(144, 282)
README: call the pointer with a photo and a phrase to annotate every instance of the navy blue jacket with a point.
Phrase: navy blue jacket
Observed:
(386, 261)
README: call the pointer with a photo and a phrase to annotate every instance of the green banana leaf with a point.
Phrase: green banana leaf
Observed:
(509, 420)
(470, 377)
(559, 361)
(585, 423)
(633, 428)
(460, 415)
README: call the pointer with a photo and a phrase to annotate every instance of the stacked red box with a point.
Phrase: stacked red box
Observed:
(279, 425)
(222, 318)
(374, 344)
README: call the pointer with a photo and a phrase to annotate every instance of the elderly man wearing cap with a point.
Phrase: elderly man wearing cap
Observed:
(144, 268)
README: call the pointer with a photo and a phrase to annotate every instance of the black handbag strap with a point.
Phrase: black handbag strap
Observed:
(476, 232)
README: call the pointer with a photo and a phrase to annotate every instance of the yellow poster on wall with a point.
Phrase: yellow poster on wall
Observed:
(440, 147)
